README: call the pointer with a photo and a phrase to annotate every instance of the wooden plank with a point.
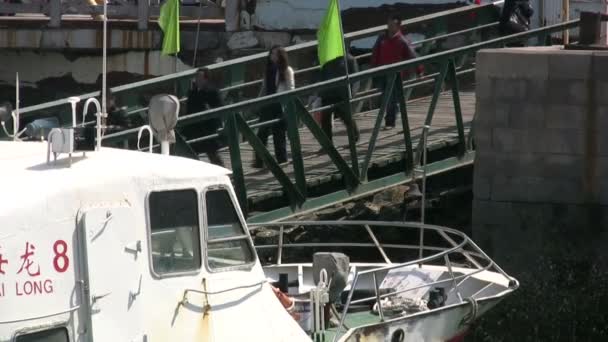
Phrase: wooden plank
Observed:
(390, 147)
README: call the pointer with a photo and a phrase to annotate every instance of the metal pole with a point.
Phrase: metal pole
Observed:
(378, 300)
(566, 17)
(198, 30)
(424, 156)
(425, 132)
(104, 112)
(350, 95)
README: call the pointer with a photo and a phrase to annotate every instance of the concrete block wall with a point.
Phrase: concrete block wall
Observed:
(541, 189)
(539, 126)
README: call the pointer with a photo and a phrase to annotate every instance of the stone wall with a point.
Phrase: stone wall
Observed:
(540, 192)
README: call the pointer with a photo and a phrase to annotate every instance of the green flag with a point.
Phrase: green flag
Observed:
(169, 23)
(329, 35)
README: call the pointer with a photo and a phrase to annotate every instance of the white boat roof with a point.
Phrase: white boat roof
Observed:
(24, 170)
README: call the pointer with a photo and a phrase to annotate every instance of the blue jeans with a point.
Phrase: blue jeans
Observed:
(393, 103)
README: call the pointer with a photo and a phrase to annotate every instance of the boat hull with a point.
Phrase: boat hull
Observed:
(444, 324)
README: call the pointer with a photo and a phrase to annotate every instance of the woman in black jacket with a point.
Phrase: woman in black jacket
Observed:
(279, 77)
(515, 17)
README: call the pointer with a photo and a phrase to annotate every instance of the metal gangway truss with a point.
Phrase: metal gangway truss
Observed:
(321, 173)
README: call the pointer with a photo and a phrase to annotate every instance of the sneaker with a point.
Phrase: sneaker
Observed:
(388, 127)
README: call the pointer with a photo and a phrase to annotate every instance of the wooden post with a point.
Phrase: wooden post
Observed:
(55, 13)
(142, 14)
(566, 17)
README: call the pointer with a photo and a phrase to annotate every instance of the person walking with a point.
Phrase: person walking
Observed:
(204, 95)
(515, 17)
(279, 77)
(338, 97)
(392, 47)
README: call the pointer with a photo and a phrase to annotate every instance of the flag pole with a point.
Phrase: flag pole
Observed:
(350, 94)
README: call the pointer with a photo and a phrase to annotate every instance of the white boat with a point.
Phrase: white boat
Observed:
(116, 245)
(103, 244)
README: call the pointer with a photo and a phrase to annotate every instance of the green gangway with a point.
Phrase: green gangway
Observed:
(320, 173)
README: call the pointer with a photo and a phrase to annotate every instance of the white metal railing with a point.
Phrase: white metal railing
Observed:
(451, 243)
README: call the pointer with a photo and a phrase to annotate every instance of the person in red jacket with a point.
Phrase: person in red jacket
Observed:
(392, 47)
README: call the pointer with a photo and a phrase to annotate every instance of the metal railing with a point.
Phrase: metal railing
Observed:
(435, 22)
(354, 176)
(451, 243)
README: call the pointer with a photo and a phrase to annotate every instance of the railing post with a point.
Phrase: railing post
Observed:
(448, 263)
(388, 93)
(378, 299)
(407, 134)
(349, 176)
(457, 109)
(350, 130)
(142, 14)
(295, 197)
(429, 117)
(232, 135)
(293, 134)
(280, 251)
(377, 243)
(55, 13)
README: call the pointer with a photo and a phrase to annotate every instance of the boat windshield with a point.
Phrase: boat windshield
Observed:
(174, 229)
(228, 244)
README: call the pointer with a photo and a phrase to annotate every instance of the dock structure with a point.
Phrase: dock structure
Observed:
(58, 13)
(321, 173)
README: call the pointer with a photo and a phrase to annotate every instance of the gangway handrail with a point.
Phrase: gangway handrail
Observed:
(355, 77)
(352, 36)
(354, 176)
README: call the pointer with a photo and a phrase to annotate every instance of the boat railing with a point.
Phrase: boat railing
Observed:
(450, 242)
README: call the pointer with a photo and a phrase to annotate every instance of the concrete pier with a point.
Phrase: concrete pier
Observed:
(541, 189)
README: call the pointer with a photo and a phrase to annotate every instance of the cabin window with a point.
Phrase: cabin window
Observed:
(51, 335)
(174, 226)
(227, 242)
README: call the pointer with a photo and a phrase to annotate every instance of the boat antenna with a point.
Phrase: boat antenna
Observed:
(16, 112)
(104, 112)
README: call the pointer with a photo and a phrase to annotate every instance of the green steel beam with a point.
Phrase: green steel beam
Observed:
(295, 197)
(457, 109)
(388, 93)
(293, 134)
(232, 134)
(328, 147)
(364, 190)
(407, 134)
(352, 142)
(429, 116)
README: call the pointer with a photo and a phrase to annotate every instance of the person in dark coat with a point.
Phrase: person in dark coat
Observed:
(204, 95)
(334, 69)
(515, 17)
(279, 77)
(118, 116)
(393, 47)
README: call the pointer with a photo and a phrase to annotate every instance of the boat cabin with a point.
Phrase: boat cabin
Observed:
(117, 245)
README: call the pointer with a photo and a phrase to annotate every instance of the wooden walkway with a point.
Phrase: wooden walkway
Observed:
(319, 169)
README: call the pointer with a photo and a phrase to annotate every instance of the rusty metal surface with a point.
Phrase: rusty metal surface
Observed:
(86, 34)
(36, 21)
